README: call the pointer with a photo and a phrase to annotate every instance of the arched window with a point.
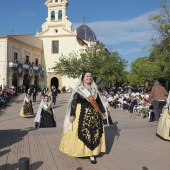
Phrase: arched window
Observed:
(60, 15)
(53, 15)
(56, 0)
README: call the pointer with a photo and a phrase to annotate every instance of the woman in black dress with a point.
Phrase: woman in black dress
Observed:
(45, 115)
(83, 134)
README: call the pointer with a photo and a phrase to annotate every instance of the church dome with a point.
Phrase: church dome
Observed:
(85, 33)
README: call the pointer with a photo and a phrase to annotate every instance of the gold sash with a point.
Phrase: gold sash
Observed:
(91, 100)
(49, 111)
(47, 108)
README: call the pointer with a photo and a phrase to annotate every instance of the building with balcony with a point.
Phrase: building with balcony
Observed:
(22, 55)
(20, 50)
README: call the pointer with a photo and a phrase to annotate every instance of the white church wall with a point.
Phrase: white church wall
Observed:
(3, 61)
(29, 39)
(23, 50)
(66, 46)
(69, 82)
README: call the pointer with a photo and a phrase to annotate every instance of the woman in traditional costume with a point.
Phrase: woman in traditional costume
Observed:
(164, 122)
(45, 116)
(83, 132)
(27, 108)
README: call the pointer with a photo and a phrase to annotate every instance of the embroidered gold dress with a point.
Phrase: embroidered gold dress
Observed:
(164, 125)
(87, 137)
(27, 109)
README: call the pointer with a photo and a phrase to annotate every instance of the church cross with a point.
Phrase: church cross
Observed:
(84, 19)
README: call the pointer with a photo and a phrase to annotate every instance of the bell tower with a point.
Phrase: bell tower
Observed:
(57, 17)
(56, 10)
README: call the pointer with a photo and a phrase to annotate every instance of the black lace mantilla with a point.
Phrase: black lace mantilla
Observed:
(90, 127)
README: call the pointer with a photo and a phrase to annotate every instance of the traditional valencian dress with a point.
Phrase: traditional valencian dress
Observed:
(86, 137)
(45, 116)
(164, 122)
(27, 108)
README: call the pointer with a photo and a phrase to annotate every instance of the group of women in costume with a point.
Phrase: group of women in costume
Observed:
(83, 129)
(45, 116)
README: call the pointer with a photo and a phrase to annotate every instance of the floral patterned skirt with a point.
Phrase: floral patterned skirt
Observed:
(164, 125)
(87, 137)
(27, 110)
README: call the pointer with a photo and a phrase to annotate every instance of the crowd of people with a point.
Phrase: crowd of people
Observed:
(5, 95)
(45, 116)
(137, 101)
(154, 104)
(89, 109)
(128, 100)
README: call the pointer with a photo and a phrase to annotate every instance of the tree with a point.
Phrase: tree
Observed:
(161, 59)
(107, 66)
(113, 68)
(157, 65)
(161, 22)
(160, 51)
(142, 70)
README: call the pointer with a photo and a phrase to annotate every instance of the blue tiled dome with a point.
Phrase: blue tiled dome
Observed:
(84, 32)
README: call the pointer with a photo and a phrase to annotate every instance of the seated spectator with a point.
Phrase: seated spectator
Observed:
(128, 102)
(3, 102)
(133, 103)
(142, 108)
(110, 99)
(125, 104)
(120, 100)
(115, 102)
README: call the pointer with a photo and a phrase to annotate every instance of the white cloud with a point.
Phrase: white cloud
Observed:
(137, 30)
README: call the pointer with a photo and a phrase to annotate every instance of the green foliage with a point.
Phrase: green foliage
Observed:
(161, 21)
(142, 70)
(112, 68)
(108, 66)
(160, 52)
(161, 58)
(68, 66)
(157, 65)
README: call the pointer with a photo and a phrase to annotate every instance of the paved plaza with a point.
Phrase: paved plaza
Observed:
(131, 142)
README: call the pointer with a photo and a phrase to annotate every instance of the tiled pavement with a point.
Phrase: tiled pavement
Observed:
(131, 142)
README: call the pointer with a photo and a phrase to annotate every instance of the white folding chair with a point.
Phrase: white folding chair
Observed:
(135, 109)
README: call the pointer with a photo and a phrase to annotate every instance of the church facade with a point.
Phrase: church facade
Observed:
(28, 60)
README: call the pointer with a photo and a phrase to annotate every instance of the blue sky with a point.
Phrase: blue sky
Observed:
(120, 24)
